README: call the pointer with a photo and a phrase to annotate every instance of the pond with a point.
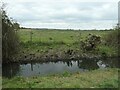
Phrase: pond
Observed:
(42, 69)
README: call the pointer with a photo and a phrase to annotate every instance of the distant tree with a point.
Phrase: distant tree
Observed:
(9, 36)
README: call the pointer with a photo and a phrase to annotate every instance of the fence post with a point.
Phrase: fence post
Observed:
(31, 35)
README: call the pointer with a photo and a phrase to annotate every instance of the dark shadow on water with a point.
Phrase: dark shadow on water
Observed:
(88, 64)
(10, 70)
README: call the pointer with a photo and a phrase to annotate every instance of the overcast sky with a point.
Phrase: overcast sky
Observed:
(69, 14)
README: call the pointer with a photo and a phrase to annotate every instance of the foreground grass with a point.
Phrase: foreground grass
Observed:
(107, 78)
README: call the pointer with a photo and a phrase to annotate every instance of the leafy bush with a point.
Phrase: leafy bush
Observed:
(91, 42)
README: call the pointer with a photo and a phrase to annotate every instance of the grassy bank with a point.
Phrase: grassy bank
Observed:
(107, 78)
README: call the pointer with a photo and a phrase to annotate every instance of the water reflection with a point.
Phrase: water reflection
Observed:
(88, 64)
(34, 69)
(69, 63)
(31, 66)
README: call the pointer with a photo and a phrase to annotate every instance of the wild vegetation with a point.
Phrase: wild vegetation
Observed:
(91, 42)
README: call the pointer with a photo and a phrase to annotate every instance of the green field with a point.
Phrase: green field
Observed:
(54, 38)
(65, 36)
(93, 79)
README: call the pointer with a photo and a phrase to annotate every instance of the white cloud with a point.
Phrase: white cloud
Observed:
(83, 25)
(64, 13)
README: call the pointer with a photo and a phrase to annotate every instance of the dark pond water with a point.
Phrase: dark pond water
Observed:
(35, 69)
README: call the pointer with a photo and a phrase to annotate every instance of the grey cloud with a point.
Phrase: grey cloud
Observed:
(62, 12)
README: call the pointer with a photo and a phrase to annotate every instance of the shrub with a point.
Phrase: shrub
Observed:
(91, 42)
